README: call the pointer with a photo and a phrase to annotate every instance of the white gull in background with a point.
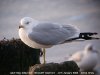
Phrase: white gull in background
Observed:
(86, 59)
(38, 34)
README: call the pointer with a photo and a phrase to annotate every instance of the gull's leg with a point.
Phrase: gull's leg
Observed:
(44, 61)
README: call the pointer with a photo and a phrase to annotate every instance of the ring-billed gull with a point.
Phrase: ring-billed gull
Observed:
(86, 59)
(38, 34)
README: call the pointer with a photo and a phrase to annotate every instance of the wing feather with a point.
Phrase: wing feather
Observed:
(52, 34)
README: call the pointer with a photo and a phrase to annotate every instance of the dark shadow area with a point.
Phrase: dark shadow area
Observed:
(64, 68)
(15, 56)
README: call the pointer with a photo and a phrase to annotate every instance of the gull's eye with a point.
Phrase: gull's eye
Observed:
(27, 22)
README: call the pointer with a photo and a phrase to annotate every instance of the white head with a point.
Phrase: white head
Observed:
(26, 22)
(90, 48)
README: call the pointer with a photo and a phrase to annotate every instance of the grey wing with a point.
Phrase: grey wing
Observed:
(51, 34)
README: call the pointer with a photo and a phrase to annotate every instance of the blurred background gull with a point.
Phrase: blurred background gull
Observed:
(86, 59)
(85, 14)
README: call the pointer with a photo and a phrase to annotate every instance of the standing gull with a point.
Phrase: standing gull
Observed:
(86, 59)
(43, 35)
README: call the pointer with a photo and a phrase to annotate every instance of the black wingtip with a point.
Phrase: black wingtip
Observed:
(88, 35)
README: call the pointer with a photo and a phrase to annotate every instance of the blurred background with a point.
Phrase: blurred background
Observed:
(85, 14)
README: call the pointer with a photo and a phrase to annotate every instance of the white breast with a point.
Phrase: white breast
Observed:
(88, 61)
(24, 37)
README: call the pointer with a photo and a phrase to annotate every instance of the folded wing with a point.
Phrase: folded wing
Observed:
(52, 34)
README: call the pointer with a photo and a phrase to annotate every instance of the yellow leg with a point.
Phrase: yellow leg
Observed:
(44, 61)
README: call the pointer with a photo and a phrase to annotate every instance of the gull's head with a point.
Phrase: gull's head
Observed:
(90, 48)
(26, 22)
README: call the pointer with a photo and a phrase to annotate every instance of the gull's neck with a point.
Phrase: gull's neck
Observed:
(33, 24)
